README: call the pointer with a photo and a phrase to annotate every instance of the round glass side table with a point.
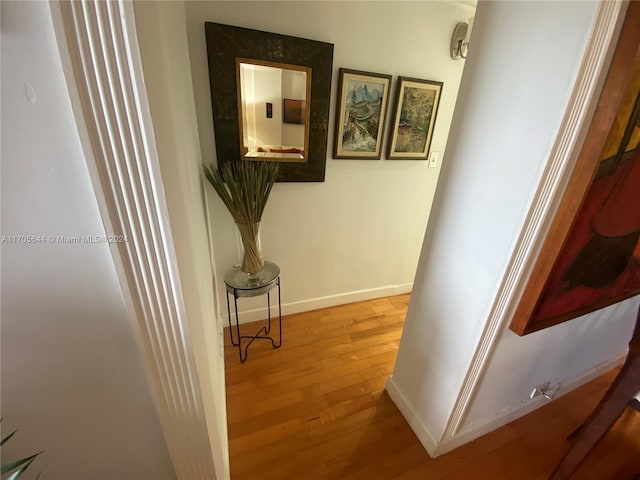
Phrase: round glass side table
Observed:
(240, 284)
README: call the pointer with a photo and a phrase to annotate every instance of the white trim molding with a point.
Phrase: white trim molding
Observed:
(555, 177)
(291, 308)
(471, 432)
(422, 432)
(476, 430)
(103, 69)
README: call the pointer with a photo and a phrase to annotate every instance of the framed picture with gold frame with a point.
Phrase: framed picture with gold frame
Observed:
(414, 118)
(363, 99)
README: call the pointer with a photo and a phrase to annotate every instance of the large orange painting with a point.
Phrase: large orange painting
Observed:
(595, 252)
(600, 262)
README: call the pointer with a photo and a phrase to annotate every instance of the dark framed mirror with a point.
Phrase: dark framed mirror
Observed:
(287, 122)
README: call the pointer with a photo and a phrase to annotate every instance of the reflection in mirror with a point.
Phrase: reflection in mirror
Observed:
(274, 119)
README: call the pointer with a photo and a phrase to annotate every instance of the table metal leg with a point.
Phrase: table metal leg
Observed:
(279, 317)
(229, 317)
(268, 312)
(262, 333)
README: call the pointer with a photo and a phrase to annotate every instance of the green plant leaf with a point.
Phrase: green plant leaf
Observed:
(18, 473)
(7, 437)
(24, 463)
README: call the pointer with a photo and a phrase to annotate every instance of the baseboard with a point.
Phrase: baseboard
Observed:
(480, 428)
(319, 302)
(421, 431)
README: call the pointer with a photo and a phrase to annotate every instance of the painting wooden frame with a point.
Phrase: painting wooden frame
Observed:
(294, 111)
(225, 43)
(585, 265)
(414, 118)
(361, 112)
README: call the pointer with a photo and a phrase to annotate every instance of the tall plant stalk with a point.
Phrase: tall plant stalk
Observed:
(247, 189)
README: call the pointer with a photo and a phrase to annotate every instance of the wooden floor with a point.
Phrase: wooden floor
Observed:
(316, 409)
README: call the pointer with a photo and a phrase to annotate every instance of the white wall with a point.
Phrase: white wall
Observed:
(248, 105)
(268, 88)
(560, 354)
(163, 47)
(294, 87)
(72, 377)
(512, 98)
(358, 234)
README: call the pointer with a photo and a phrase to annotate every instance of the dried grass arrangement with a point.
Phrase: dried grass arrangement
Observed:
(247, 189)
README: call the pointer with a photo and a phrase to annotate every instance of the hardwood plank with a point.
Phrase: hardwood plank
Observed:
(293, 377)
(316, 409)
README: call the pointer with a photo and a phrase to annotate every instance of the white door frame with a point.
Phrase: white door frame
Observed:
(103, 69)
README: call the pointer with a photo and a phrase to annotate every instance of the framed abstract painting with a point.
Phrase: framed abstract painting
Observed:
(591, 257)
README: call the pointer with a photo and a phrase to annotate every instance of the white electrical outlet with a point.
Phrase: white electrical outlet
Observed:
(540, 390)
(546, 390)
(433, 159)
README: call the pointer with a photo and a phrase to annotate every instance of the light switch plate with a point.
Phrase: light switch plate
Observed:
(433, 159)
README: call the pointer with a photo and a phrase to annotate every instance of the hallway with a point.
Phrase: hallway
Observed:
(317, 409)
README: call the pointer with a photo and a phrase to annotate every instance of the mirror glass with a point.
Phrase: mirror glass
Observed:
(274, 119)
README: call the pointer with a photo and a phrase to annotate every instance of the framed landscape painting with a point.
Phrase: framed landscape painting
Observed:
(414, 117)
(363, 98)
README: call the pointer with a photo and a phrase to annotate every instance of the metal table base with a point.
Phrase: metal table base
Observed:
(239, 284)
